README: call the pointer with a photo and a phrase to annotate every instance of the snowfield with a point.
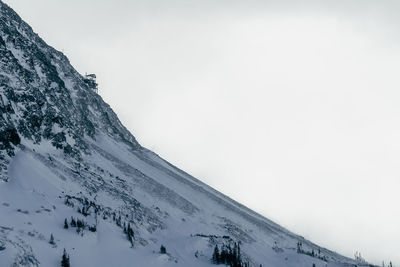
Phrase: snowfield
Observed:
(175, 210)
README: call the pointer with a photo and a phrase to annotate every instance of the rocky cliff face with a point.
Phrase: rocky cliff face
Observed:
(44, 98)
(73, 178)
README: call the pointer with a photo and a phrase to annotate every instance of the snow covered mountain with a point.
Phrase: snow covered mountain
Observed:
(73, 177)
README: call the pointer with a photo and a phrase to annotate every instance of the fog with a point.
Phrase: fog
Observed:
(292, 109)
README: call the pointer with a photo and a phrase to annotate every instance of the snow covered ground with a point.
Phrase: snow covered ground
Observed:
(175, 210)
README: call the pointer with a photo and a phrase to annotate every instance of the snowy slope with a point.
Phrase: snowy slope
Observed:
(64, 154)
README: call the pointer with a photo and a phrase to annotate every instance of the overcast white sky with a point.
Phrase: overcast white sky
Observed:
(292, 109)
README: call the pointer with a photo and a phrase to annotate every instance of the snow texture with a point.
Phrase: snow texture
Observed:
(64, 154)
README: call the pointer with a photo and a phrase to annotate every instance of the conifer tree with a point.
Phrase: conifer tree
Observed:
(239, 258)
(235, 251)
(163, 250)
(299, 247)
(65, 260)
(216, 257)
(65, 224)
(130, 238)
(223, 255)
(228, 256)
(80, 223)
(73, 222)
(51, 241)
(118, 222)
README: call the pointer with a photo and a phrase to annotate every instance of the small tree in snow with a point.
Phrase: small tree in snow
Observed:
(65, 260)
(163, 250)
(216, 257)
(129, 233)
(73, 222)
(51, 241)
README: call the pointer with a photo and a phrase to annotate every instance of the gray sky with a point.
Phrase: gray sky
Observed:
(292, 109)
